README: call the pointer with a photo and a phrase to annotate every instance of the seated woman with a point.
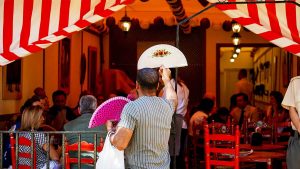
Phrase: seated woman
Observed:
(200, 113)
(275, 111)
(32, 118)
(221, 116)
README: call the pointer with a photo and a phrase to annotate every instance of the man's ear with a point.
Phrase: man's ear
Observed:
(78, 110)
(137, 85)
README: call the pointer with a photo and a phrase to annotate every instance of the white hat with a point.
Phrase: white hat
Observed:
(162, 55)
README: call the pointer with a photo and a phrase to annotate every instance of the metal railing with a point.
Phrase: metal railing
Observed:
(96, 136)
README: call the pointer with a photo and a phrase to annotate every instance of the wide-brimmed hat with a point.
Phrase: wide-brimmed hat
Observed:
(162, 55)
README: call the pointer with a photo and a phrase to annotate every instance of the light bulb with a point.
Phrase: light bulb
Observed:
(126, 26)
(236, 40)
(236, 27)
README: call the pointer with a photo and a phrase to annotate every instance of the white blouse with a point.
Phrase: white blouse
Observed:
(183, 99)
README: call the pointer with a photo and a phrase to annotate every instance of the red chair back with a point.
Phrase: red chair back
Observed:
(197, 141)
(84, 147)
(219, 155)
(23, 141)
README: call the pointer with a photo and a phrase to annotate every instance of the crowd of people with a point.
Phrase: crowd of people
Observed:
(148, 132)
(37, 115)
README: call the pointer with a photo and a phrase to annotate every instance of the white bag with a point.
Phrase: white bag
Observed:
(110, 157)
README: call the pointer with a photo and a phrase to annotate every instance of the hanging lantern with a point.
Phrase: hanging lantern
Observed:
(125, 22)
(236, 38)
(236, 27)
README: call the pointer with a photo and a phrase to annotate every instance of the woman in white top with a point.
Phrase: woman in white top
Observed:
(181, 126)
(291, 102)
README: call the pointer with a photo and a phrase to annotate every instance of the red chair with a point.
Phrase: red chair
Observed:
(23, 141)
(196, 143)
(84, 147)
(219, 155)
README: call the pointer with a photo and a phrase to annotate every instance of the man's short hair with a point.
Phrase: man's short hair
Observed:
(58, 93)
(147, 78)
(245, 96)
(87, 103)
(243, 72)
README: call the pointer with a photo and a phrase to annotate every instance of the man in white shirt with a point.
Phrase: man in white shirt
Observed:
(244, 85)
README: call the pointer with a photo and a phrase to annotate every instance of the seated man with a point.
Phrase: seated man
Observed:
(59, 113)
(87, 106)
(244, 110)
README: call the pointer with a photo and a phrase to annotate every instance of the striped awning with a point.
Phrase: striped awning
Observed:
(277, 22)
(27, 26)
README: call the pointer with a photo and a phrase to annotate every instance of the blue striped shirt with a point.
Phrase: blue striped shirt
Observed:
(150, 120)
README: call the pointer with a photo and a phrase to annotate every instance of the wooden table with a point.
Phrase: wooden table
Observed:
(263, 147)
(263, 157)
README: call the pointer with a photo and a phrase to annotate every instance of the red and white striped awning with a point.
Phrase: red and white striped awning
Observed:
(278, 23)
(27, 26)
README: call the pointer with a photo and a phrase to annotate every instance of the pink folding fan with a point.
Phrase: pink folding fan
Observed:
(111, 109)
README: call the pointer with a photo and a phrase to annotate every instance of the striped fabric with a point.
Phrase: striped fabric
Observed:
(278, 23)
(27, 26)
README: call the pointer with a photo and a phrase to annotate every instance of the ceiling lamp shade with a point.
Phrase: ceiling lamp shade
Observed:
(125, 22)
(162, 55)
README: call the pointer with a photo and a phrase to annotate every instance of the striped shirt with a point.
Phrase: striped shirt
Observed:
(150, 120)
